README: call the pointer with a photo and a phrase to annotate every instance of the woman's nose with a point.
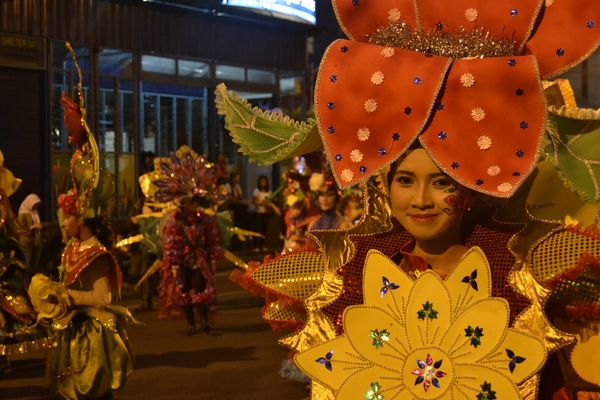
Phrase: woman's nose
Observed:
(422, 198)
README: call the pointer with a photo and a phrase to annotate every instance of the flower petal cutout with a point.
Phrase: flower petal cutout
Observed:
(473, 266)
(526, 346)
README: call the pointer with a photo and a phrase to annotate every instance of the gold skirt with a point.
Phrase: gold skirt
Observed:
(91, 355)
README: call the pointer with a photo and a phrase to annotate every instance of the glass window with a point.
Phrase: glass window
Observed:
(149, 139)
(183, 124)
(230, 73)
(261, 76)
(127, 118)
(199, 139)
(167, 141)
(193, 69)
(158, 65)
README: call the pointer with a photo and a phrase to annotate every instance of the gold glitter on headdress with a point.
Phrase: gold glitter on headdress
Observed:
(475, 43)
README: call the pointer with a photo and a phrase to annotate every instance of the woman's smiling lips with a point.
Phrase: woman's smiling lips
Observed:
(422, 217)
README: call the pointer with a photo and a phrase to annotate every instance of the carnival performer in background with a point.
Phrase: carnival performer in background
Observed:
(328, 199)
(29, 219)
(18, 332)
(184, 185)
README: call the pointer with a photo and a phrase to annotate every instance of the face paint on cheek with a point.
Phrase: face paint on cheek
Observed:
(451, 201)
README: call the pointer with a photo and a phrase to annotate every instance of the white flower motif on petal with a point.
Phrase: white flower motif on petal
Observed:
(478, 114)
(505, 187)
(347, 175)
(356, 155)
(549, 3)
(484, 142)
(467, 80)
(377, 78)
(370, 105)
(493, 170)
(394, 15)
(388, 52)
(471, 14)
(363, 134)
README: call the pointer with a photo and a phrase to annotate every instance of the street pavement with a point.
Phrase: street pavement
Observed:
(239, 360)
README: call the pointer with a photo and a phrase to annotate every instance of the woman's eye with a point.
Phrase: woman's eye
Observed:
(404, 180)
(442, 183)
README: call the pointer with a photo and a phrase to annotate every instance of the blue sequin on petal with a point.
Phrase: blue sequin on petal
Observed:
(520, 153)
(516, 173)
(338, 157)
(479, 182)
(333, 78)
(455, 165)
(395, 136)
(512, 62)
(524, 125)
(514, 12)
(519, 92)
(344, 49)
(362, 169)
(560, 52)
(331, 105)
(407, 110)
(440, 106)
(442, 135)
(382, 151)
(590, 24)
(355, 3)
(417, 80)
(331, 130)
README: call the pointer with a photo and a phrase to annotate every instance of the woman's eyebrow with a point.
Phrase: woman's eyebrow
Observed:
(403, 172)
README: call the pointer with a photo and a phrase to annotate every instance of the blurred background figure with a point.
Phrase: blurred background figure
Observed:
(265, 209)
(29, 219)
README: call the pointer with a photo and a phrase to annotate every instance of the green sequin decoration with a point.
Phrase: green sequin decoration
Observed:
(379, 337)
(374, 393)
(427, 312)
(474, 334)
(486, 392)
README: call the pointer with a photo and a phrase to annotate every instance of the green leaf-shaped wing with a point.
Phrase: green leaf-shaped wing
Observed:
(263, 136)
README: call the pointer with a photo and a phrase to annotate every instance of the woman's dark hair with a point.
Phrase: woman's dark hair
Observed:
(266, 189)
(101, 229)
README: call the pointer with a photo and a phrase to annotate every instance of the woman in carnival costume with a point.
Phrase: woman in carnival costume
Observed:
(185, 183)
(462, 81)
(91, 357)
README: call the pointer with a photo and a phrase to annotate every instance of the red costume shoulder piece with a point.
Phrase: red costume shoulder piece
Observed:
(75, 261)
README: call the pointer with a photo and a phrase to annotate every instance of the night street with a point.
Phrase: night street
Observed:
(239, 360)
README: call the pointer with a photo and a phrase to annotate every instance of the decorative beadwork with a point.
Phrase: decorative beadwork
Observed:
(418, 80)
(344, 49)
(395, 136)
(516, 173)
(493, 170)
(370, 105)
(474, 335)
(331, 105)
(512, 62)
(590, 24)
(382, 151)
(374, 392)
(427, 312)
(387, 286)
(442, 135)
(479, 182)
(514, 360)
(486, 392)
(338, 157)
(514, 12)
(379, 338)
(347, 175)
(471, 14)
(505, 187)
(520, 153)
(439, 106)
(524, 125)
(478, 114)
(326, 361)
(377, 78)
(363, 134)
(484, 142)
(388, 52)
(330, 130)
(394, 15)
(471, 280)
(519, 92)
(560, 52)
(333, 78)
(467, 80)
(362, 169)
(428, 374)
(356, 3)
(356, 156)
(549, 3)
(407, 110)
(455, 165)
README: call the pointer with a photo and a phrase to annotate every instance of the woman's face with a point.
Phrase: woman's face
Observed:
(327, 200)
(263, 183)
(70, 224)
(424, 200)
